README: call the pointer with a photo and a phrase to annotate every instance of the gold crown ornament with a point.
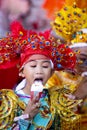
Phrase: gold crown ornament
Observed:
(80, 3)
(69, 20)
(79, 37)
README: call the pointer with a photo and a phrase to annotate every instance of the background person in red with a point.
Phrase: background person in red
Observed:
(11, 10)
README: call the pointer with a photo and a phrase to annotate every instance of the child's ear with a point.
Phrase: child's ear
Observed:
(52, 72)
(21, 74)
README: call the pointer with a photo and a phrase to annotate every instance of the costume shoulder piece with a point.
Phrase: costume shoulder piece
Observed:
(9, 105)
(65, 83)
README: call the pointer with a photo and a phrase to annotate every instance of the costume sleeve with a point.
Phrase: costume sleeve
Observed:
(23, 124)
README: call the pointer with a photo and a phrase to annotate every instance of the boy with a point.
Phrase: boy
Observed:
(39, 58)
(37, 64)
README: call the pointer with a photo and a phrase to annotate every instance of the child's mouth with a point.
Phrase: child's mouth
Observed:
(38, 80)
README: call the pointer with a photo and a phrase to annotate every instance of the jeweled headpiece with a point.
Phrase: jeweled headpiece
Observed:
(51, 6)
(26, 43)
(69, 20)
(80, 3)
(80, 37)
(43, 43)
(10, 46)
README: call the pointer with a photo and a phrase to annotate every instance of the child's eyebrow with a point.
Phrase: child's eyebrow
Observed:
(46, 61)
(31, 60)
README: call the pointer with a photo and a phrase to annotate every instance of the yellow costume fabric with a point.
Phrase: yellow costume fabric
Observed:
(59, 84)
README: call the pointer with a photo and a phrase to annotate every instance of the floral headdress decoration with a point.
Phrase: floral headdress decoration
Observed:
(10, 46)
(43, 43)
(20, 44)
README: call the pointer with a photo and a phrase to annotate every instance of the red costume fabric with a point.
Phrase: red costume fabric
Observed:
(8, 77)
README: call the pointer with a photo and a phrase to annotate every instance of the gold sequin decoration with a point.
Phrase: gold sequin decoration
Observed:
(8, 110)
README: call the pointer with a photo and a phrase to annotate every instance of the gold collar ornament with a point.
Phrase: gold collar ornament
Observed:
(9, 105)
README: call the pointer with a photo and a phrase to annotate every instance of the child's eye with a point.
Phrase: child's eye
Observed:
(33, 66)
(45, 66)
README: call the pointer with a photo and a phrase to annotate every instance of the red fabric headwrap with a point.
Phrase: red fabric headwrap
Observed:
(43, 43)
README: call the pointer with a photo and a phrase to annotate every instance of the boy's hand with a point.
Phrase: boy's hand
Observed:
(32, 107)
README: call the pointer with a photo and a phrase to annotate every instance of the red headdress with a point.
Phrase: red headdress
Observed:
(43, 43)
(20, 44)
(27, 43)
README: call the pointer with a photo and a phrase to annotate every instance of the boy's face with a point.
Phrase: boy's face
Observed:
(37, 69)
(81, 59)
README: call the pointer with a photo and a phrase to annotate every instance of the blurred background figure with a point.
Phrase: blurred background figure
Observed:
(31, 13)
(37, 18)
(11, 10)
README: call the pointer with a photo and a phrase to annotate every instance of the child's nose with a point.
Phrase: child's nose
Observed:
(38, 70)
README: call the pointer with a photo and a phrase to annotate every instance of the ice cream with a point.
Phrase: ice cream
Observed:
(36, 89)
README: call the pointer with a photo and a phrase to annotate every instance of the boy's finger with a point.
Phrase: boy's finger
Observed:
(70, 96)
(35, 99)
